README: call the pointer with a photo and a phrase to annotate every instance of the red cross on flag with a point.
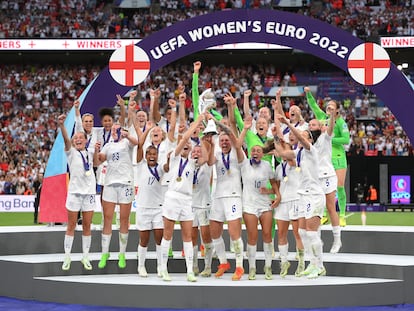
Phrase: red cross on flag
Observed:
(368, 63)
(129, 65)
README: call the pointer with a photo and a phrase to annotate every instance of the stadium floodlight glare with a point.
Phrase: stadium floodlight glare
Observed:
(404, 65)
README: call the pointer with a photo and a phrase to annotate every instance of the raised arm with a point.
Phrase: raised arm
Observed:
(155, 115)
(181, 108)
(194, 88)
(332, 120)
(246, 103)
(231, 107)
(122, 116)
(78, 117)
(305, 143)
(277, 105)
(132, 96)
(171, 131)
(187, 134)
(319, 113)
(66, 139)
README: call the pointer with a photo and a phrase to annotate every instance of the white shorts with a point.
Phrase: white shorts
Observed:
(76, 202)
(118, 193)
(177, 206)
(148, 218)
(313, 205)
(257, 211)
(329, 184)
(226, 209)
(201, 217)
(287, 211)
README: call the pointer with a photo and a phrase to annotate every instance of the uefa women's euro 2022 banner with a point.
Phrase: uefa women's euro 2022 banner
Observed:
(367, 63)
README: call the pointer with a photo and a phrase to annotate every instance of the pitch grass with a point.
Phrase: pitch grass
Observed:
(352, 218)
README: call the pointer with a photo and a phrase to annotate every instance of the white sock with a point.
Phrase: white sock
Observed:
(105, 241)
(251, 255)
(208, 255)
(195, 255)
(283, 250)
(238, 250)
(336, 231)
(220, 249)
(305, 241)
(86, 244)
(159, 254)
(165, 246)
(123, 241)
(67, 244)
(268, 253)
(316, 246)
(188, 250)
(142, 254)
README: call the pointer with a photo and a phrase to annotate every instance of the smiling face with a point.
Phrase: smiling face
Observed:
(186, 150)
(256, 153)
(107, 122)
(156, 135)
(224, 143)
(79, 140)
(142, 118)
(196, 153)
(87, 123)
(151, 155)
(262, 126)
(294, 114)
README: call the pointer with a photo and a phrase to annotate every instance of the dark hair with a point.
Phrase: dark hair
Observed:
(106, 112)
(150, 147)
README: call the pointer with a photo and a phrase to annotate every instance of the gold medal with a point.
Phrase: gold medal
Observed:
(228, 172)
(297, 169)
(88, 173)
(179, 178)
(285, 179)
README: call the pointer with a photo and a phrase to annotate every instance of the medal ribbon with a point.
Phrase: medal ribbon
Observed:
(298, 157)
(226, 162)
(106, 138)
(195, 175)
(85, 160)
(154, 172)
(182, 166)
(284, 164)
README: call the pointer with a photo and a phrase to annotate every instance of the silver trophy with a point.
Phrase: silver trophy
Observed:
(206, 101)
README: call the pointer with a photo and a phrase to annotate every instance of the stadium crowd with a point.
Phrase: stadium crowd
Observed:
(33, 96)
(366, 19)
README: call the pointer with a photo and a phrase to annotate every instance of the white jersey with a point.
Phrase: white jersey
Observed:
(163, 148)
(324, 146)
(150, 194)
(255, 176)
(286, 130)
(182, 174)
(228, 178)
(289, 179)
(119, 158)
(201, 186)
(93, 136)
(308, 161)
(165, 126)
(79, 182)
